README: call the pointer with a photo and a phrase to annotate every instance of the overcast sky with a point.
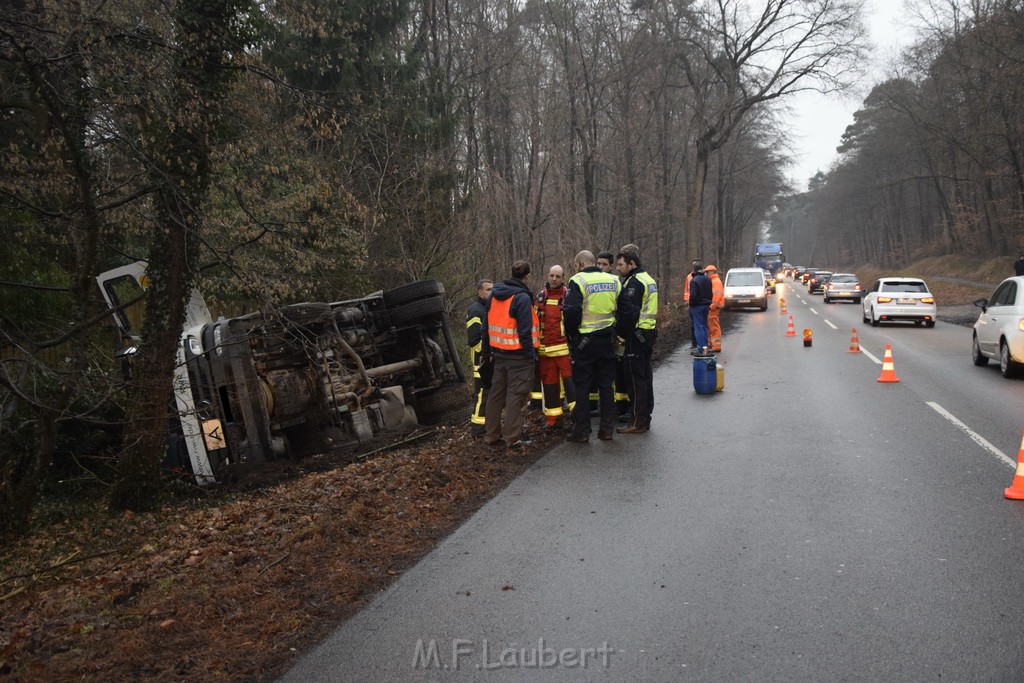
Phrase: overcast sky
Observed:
(817, 122)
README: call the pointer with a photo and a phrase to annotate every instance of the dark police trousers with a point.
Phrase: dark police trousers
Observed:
(640, 375)
(593, 364)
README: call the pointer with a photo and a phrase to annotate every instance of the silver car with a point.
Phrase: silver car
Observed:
(843, 287)
(999, 332)
(899, 298)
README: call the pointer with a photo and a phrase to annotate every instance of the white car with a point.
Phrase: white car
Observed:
(999, 332)
(745, 287)
(899, 298)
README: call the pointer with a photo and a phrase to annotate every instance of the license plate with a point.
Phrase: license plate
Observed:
(907, 301)
(743, 301)
(843, 293)
(213, 433)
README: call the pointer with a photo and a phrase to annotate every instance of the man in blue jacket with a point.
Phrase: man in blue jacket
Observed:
(511, 338)
(701, 296)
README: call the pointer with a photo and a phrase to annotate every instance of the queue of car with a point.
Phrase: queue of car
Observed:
(998, 334)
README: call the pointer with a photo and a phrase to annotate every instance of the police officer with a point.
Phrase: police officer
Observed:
(474, 337)
(636, 327)
(589, 318)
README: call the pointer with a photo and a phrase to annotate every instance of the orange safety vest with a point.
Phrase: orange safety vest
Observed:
(503, 329)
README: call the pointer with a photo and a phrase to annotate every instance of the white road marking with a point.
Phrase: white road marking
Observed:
(977, 438)
(831, 325)
(814, 311)
(869, 355)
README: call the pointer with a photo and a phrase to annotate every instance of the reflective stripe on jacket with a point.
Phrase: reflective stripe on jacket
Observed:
(503, 328)
(717, 291)
(649, 308)
(553, 342)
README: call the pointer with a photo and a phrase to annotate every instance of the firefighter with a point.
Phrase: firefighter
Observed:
(555, 364)
(717, 304)
(474, 337)
(588, 314)
(511, 338)
(636, 327)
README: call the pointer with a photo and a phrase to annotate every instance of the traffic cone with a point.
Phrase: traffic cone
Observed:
(790, 330)
(1016, 490)
(854, 342)
(888, 369)
(782, 305)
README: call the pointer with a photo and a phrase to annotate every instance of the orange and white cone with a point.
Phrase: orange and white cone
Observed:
(790, 330)
(854, 342)
(782, 305)
(1016, 490)
(888, 369)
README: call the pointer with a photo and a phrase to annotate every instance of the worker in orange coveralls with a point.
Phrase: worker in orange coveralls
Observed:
(555, 364)
(717, 304)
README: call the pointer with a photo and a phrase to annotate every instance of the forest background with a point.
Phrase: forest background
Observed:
(289, 150)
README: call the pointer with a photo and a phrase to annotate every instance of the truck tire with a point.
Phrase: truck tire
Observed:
(447, 404)
(414, 291)
(417, 310)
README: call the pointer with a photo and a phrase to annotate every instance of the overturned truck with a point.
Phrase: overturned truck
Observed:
(287, 382)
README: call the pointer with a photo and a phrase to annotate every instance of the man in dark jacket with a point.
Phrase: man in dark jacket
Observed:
(701, 296)
(1018, 266)
(588, 314)
(475, 338)
(636, 327)
(511, 338)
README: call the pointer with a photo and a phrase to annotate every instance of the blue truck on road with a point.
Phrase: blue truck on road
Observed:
(769, 255)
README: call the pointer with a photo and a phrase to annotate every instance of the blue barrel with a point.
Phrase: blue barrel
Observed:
(705, 374)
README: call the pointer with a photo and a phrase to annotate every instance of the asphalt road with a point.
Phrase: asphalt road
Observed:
(806, 523)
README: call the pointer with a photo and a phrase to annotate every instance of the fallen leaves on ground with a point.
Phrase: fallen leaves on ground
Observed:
(235, 588)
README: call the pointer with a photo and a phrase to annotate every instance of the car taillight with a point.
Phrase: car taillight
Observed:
(928, 300)
(1020, 324)
(885, 299)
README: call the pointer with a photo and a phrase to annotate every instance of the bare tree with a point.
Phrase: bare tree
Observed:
(736, 55)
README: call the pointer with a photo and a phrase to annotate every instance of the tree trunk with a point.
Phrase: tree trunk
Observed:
(182, 175)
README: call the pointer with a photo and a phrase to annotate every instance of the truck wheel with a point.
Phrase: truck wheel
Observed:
(414, 291)
(447, 404)
(417, 310)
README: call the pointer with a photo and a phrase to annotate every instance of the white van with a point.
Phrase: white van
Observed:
(746, 288)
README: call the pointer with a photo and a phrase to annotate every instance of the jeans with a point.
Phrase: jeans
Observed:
(699, 318)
